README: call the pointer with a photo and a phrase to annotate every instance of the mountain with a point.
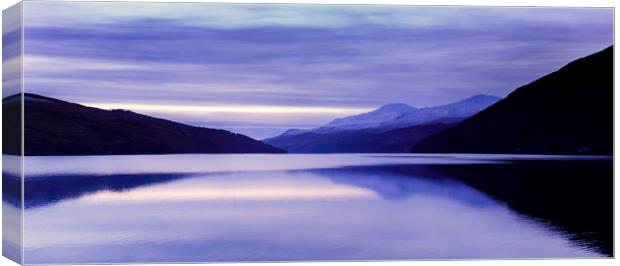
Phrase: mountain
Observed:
(358, 141)
(398, 115)
(391, 128)
(461, 109)
(55, 127)
(374, 118)
(569, 111)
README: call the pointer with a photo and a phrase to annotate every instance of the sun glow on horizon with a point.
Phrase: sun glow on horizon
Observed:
(239, 109)
(267, 186)
(258, 193)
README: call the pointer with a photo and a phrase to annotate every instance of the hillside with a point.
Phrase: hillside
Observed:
(359, 141)
(569, 111)
(55, 127)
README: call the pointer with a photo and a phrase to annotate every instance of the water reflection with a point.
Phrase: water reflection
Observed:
(387, 182)
(257, 186)
(47, 190)
(379, 211)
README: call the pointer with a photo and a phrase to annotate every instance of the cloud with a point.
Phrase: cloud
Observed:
(313, 56)
(11, 51)
(236, 16)
(231, 16)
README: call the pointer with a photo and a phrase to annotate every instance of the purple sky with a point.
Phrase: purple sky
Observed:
(259, 69)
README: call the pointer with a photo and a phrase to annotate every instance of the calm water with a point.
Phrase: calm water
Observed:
(191, 208)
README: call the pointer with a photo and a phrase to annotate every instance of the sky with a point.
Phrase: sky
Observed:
(259, 69)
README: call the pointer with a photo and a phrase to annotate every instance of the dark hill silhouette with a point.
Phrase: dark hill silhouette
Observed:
(569, 111)
(55, 127)
(360, 141)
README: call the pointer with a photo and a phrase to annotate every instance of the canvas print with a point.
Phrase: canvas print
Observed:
(202, 132)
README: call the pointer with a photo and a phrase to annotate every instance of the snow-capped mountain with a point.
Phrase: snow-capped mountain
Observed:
(388, 117)
(386, 113)
(461, 109)
(397, 115)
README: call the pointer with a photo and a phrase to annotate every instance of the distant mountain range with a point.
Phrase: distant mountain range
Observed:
(461, 109)
(357, 141)
(391, 128)
(376, 118)
(569, 111)
(55, 127)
